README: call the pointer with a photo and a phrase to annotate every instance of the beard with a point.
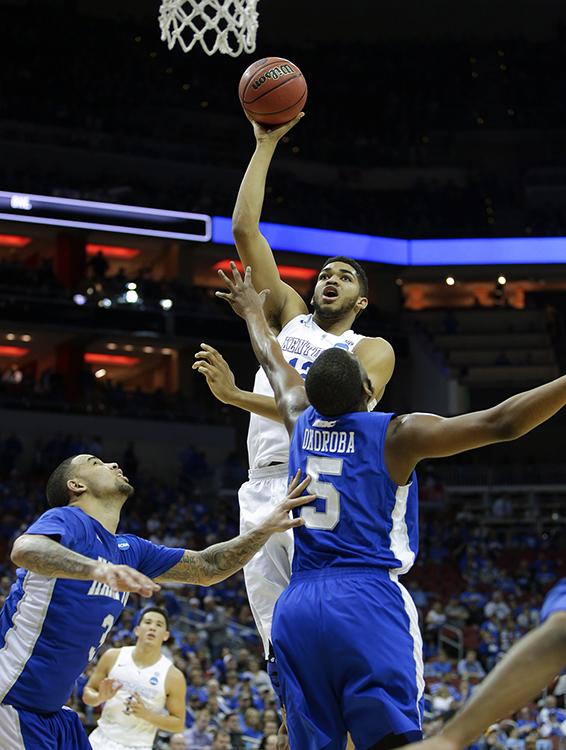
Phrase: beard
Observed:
(334, 312)
(125, 488)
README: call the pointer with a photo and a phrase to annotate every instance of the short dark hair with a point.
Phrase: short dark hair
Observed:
(361, 274)
(56, 489)
(334, 383)
(159, 610)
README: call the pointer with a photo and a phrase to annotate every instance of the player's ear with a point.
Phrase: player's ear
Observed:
(76, 488)
(361, 304)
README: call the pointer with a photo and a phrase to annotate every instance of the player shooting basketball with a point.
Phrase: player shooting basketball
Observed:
(339, 298)
(345, 631)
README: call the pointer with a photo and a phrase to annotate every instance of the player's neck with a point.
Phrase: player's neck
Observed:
(107, 514)
(335, 326)
(146, 654)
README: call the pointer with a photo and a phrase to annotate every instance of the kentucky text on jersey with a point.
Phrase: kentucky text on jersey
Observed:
(103, 589)
(324, 441)
(300, 346)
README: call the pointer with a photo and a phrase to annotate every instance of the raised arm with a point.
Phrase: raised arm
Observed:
(288, 386)
(220, 561)
(413, 437)
(43, 555)
(220, 379)
(284, 302)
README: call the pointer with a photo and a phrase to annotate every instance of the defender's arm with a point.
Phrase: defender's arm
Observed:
(416, 436)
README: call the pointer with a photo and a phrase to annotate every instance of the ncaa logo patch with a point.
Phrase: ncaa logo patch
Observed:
(153, 680)
(123, 545)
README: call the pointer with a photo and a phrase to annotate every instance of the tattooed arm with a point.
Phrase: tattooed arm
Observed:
(222, 560)
(43, 555)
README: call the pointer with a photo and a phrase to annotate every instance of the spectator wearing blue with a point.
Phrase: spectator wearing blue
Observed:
(470, 666)
(198, 736)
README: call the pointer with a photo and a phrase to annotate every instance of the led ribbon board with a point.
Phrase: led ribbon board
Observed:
(107, 217)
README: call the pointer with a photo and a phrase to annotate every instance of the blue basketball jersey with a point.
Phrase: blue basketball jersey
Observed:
(50, 628)
(360, 517)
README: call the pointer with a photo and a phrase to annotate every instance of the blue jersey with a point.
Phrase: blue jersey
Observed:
(50, 628)
(360, 517)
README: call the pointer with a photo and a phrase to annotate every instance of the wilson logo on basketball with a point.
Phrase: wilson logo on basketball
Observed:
(273, 75)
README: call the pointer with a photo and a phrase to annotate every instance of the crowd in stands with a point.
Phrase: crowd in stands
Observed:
(477, 591)
(427, 94)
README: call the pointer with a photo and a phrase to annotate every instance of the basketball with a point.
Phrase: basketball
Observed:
(272, 91)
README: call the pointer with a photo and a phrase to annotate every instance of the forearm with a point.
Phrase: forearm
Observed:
(521, 413)
(47, 557)
(529, 666)
(263, 406)
(249, 203)
(91, 697)
(218, 562)
(282, 377)
(165, 722)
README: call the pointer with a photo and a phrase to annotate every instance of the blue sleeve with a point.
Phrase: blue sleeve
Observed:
(152, 559)
(62, 524)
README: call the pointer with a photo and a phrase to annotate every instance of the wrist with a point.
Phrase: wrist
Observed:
(99, 570)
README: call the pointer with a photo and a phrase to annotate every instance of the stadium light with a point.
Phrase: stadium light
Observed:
(131, 296)
(450, 280)
(79, 299)
(166, 304)
(502, 280)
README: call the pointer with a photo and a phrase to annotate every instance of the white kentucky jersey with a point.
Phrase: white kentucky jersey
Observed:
(302, 340)
(115, 721)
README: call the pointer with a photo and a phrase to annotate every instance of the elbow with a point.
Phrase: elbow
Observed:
(506, 429)
(179, 725)
(243, 228)
(18, 554)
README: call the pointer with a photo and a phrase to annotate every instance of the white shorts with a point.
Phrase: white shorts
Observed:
(268, 573)
(100, 741)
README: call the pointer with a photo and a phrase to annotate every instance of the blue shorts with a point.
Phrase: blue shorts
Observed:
(25, 730)
(349, 652)
(555, 600)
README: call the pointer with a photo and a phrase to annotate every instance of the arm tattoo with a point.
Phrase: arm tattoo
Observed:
(218, 562)
(49, 558)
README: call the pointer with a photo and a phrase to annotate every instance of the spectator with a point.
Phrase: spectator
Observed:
(470, 666)
(214, 625)
(198, 736)
(235, 730)
(221, 740)
(497, 606)
(251, 733)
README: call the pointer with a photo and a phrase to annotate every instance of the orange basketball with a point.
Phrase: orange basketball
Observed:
(272, 91)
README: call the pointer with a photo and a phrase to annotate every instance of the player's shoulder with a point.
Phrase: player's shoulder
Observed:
(175, 677)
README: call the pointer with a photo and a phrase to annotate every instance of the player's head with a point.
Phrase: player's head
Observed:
(82, 476)
(341, 289)
(337, 383)
(153, 627)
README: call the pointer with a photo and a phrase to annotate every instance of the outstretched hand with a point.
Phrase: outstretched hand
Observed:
(219, 376)
(241, 295)
(280, 519)
(273, 134)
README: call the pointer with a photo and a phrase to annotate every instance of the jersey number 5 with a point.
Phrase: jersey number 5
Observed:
(329, 517)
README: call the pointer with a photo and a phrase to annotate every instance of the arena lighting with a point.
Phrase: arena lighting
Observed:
(450, 280)
(100, 373)
(166, 304)
(13, 352)
(13, 240)
(51, 210)
(113, 251)
(116, 360)
(501, 280)
(131, 296)
(287, 272)
(79, 299)
(454, 252)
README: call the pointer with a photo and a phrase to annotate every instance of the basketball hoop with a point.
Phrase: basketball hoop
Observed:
(225, 26)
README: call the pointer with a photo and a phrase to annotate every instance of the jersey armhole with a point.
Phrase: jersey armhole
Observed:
(384, 428)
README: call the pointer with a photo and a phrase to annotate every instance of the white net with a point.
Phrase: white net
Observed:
(226, 26)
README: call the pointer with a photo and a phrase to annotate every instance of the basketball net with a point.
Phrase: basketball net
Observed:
(225, 26)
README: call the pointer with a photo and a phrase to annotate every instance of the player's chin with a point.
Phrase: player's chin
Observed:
(125, 487)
